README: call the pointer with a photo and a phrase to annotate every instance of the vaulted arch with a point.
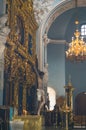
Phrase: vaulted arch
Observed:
(47, 22)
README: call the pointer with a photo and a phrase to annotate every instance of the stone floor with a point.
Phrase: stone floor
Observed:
(59, 128)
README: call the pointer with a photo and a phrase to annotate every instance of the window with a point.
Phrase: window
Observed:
(52, 97)
(83, 30)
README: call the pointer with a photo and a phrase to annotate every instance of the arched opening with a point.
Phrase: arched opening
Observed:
(80, 104)
(52, 97)
(80, 110)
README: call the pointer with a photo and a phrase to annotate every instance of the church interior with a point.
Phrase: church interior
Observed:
(42, 64)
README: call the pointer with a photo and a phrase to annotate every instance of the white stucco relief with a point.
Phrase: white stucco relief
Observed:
(42, 8)
(4, 31)
(45, 39)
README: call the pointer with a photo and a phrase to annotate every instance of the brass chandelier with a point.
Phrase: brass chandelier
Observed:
(77, 47)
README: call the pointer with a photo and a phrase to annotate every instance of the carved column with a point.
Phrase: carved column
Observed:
(45, 69)
(45, 41)
(24, 96)
(4, 31)
(16, 94)
(1, 78)
(69, 98)
(25, 84)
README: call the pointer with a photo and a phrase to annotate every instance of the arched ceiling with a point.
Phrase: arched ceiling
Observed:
(63, 26)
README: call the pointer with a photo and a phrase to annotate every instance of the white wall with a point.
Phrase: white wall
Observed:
(56, 68)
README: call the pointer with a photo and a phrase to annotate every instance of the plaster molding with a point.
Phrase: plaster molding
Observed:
(53, 41)
(45, 39)
(61, 8)
(45, 75)
(57, 11)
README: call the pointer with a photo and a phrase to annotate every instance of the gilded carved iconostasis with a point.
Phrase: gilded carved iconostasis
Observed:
(20, 53)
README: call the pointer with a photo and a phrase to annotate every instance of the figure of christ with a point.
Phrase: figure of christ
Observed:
(40, 91)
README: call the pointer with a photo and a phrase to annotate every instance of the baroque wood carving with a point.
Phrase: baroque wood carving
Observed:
(20, 51)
